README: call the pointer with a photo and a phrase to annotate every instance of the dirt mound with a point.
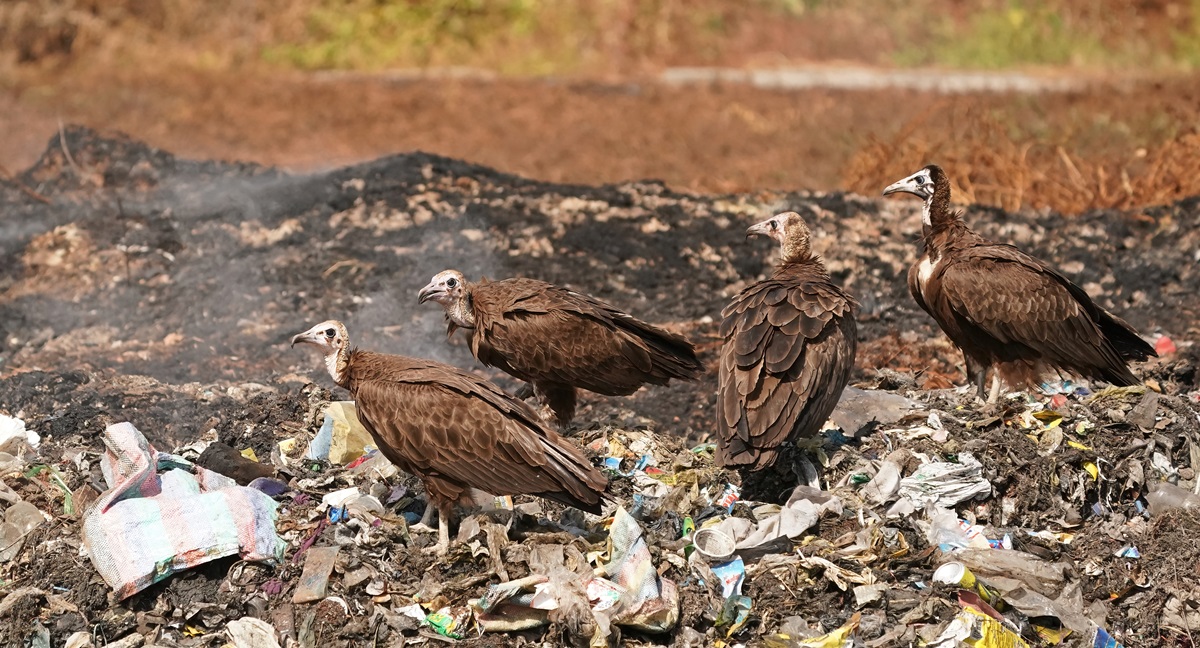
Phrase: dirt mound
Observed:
(164, 291)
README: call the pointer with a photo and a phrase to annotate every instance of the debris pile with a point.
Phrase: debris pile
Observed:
(1068, 515)
(1062, 517)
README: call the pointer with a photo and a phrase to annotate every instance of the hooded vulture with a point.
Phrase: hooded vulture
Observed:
(1007, 310)
(455, 431)
(558, 340)
(789, 344)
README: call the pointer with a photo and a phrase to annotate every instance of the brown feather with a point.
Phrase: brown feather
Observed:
(781, 385)
(456, 431)
(1008, 310)
(560, 340)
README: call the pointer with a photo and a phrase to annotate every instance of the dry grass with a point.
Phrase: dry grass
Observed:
(992, 166)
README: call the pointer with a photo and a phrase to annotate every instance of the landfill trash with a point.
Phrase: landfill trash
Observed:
(886, 482)
(1163, 345)
(956, 573)
(249, 632)
(81, 639)
(976, 628)
(454, 622)
(1128, 551)
(1099, 638)
(649, 602)
(318, 565)
(626, 591)
(1165, 496)
(14, 435)
(269, 487)
(775, 530)
(19, 520)
(713, 544)
(730, 575)
(1015, 566)
(841, 637)
(149, 525)
(859, 408)
(227, 461)
(948, 532)
(942, 484)
(342, 438)
(516, 605)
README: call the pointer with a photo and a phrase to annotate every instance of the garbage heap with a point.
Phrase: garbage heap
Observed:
(1067, 517)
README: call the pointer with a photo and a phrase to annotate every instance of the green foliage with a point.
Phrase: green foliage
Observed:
(1019, 34)
(373, 34)
(1185, 40)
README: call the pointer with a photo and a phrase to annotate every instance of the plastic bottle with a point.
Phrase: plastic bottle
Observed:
(1165, 496)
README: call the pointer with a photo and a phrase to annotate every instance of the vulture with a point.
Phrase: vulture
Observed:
(1007, 310)
(788, 351)
(455, 431)
(558, 340)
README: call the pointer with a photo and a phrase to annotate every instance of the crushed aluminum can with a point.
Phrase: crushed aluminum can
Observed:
(956, 573)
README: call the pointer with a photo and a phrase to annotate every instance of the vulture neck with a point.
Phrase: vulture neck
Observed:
(794, 250)
(338, 364)
(807, 259)
(936, 214)
(462, 312)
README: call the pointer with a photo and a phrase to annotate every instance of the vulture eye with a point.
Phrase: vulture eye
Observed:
(451, 282)
(774, 225)
(329, 333)
(920, 180)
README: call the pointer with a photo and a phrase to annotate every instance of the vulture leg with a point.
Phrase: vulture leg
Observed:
(995, 393)
(977, 374)
(560, 399)
(443, 544)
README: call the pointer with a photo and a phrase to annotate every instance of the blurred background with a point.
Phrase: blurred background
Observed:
(1059, 104)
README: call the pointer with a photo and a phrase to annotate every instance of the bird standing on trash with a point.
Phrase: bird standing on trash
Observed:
(789, 344)
(558, 340)
(455, 431)
(1007, 310)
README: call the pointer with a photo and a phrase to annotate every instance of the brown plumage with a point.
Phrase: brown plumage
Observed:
(1006, 309)
(559, 340)
(788, 352)
(455, 431)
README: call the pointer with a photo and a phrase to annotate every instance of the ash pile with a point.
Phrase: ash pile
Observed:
(148, 301)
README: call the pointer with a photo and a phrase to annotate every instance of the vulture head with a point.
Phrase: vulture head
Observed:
(449, 288)
(331, 338)
(931, 185)
(790, 230)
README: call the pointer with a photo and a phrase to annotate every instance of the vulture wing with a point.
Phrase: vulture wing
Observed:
(788, 353)
(541, 332)
(458, 431)
(1028, 309)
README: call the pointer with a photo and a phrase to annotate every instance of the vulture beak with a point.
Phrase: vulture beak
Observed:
(758, 229)
(307, 337)
(907, 186)
(901, 186)
(428, 292)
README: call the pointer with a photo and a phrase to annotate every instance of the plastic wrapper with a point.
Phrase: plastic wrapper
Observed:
(149, 525)
(944, 484)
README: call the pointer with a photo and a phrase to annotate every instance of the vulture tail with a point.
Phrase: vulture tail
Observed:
(1128, 344)
(583, 487)
(673, 355)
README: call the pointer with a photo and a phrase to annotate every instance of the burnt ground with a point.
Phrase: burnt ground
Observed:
(139, 286)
